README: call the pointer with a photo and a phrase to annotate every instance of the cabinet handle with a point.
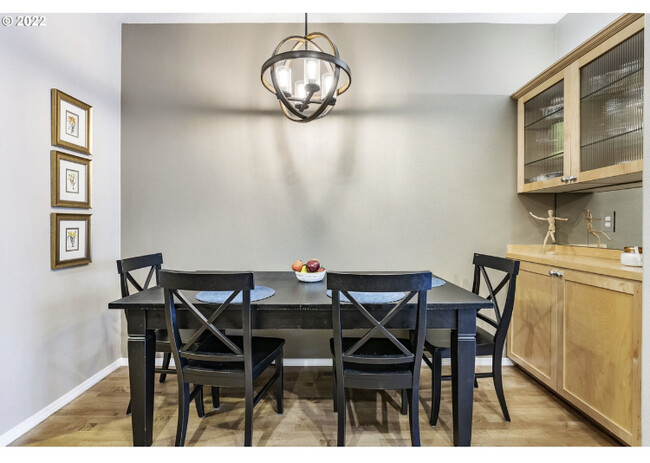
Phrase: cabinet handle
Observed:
(572, 178)
(552, 273)
(564, 179)
(555, 273)
(559, 274)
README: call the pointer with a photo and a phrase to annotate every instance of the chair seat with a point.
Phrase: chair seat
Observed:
(264, 351)
(377, 347)
(440, 340)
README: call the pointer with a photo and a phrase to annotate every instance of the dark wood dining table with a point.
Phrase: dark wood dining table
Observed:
(302, 306)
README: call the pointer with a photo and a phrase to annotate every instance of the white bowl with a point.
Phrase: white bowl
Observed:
(311, 277)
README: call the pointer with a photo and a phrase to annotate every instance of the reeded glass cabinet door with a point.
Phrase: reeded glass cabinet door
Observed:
(611, 106)
(544, 135)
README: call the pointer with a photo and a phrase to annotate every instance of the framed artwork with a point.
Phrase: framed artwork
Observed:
(71, 122)
(70, 179)
(70, 241)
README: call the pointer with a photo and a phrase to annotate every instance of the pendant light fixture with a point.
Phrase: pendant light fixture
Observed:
(305, 79)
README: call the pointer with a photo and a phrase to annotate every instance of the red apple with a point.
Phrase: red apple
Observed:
(296, 266)
(313, 265)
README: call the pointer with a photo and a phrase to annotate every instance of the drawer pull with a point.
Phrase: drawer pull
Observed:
(555, 273)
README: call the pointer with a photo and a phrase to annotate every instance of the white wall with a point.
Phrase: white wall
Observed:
(55, 329)
(575, 28)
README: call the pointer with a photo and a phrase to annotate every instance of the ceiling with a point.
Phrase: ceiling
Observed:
(422, 18)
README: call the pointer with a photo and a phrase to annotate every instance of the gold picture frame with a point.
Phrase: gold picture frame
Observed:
(70, 240)
(70, 180)
(71, 122)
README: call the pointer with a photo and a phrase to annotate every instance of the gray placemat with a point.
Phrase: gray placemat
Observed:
(437, 282)
(218, 297)
(382, 298)
(371, 298)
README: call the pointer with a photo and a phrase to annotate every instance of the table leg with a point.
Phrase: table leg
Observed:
(463, 360)
(142, 352)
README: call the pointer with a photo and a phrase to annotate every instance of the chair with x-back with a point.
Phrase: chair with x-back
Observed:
(129, 281)
(219, 359)
(437, 343)
(378, 359)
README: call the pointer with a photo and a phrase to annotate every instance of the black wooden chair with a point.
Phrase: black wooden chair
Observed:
(219, 360)
(437, 343)
(153, 263)
(378, 360)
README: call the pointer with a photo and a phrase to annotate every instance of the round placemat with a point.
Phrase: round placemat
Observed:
(371, 298)
(437, 282)
(218, 297)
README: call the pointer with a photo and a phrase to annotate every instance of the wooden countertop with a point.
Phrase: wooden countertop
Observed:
(593, 260)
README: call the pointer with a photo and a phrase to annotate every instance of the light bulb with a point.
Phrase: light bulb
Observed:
(283, 78)
(328, 83)
(312, 71)
(300, 90)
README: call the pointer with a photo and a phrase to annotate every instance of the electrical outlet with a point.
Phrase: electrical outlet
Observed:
(609, 221)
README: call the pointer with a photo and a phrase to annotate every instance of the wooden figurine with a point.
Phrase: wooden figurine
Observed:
(588, 222)
(551, 225)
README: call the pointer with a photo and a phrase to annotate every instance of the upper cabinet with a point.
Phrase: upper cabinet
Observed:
(580, 123)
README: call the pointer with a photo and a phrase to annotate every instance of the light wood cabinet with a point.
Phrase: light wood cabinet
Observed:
(533, 335)
(580, 122)
(576, 328)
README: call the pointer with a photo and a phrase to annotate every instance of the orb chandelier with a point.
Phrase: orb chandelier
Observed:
(305, 79)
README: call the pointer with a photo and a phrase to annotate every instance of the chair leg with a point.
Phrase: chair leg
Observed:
(183, 412)
(334, 388)
(167, 356)
(198, 400)
(414, 415)
(436, 385)
(128, 408)
(279, 383)
(475, 383)
(498, 386)
(340, 403)
(216, 400)
(405, 399)
(248, 415)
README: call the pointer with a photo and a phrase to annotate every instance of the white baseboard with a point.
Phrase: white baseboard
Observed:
(17, 431)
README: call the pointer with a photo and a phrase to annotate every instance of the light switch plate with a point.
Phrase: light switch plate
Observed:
(609, 221)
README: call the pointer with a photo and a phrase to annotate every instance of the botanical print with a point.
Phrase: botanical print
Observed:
(71, 239)
(72, 181)
(72, 124)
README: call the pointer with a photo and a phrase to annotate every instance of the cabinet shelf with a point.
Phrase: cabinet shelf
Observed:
(548, 118)
(611, 86)
(545, 158)
(618, 135)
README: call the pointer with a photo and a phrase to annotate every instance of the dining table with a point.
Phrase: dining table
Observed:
(297, 305)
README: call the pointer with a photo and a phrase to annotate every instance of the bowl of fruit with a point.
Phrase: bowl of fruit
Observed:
(309, 272)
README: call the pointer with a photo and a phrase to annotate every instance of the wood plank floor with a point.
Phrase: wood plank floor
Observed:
(97, 418)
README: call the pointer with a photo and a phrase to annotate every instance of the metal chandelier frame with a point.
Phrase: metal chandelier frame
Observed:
(293, 107)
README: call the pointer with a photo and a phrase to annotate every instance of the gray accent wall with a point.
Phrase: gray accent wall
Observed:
(414, 169)
(56, 331)
(624, 205)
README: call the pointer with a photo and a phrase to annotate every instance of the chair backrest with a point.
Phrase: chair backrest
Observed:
(175, 282)
(503, 314)
(417, 283)
(126, 266)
